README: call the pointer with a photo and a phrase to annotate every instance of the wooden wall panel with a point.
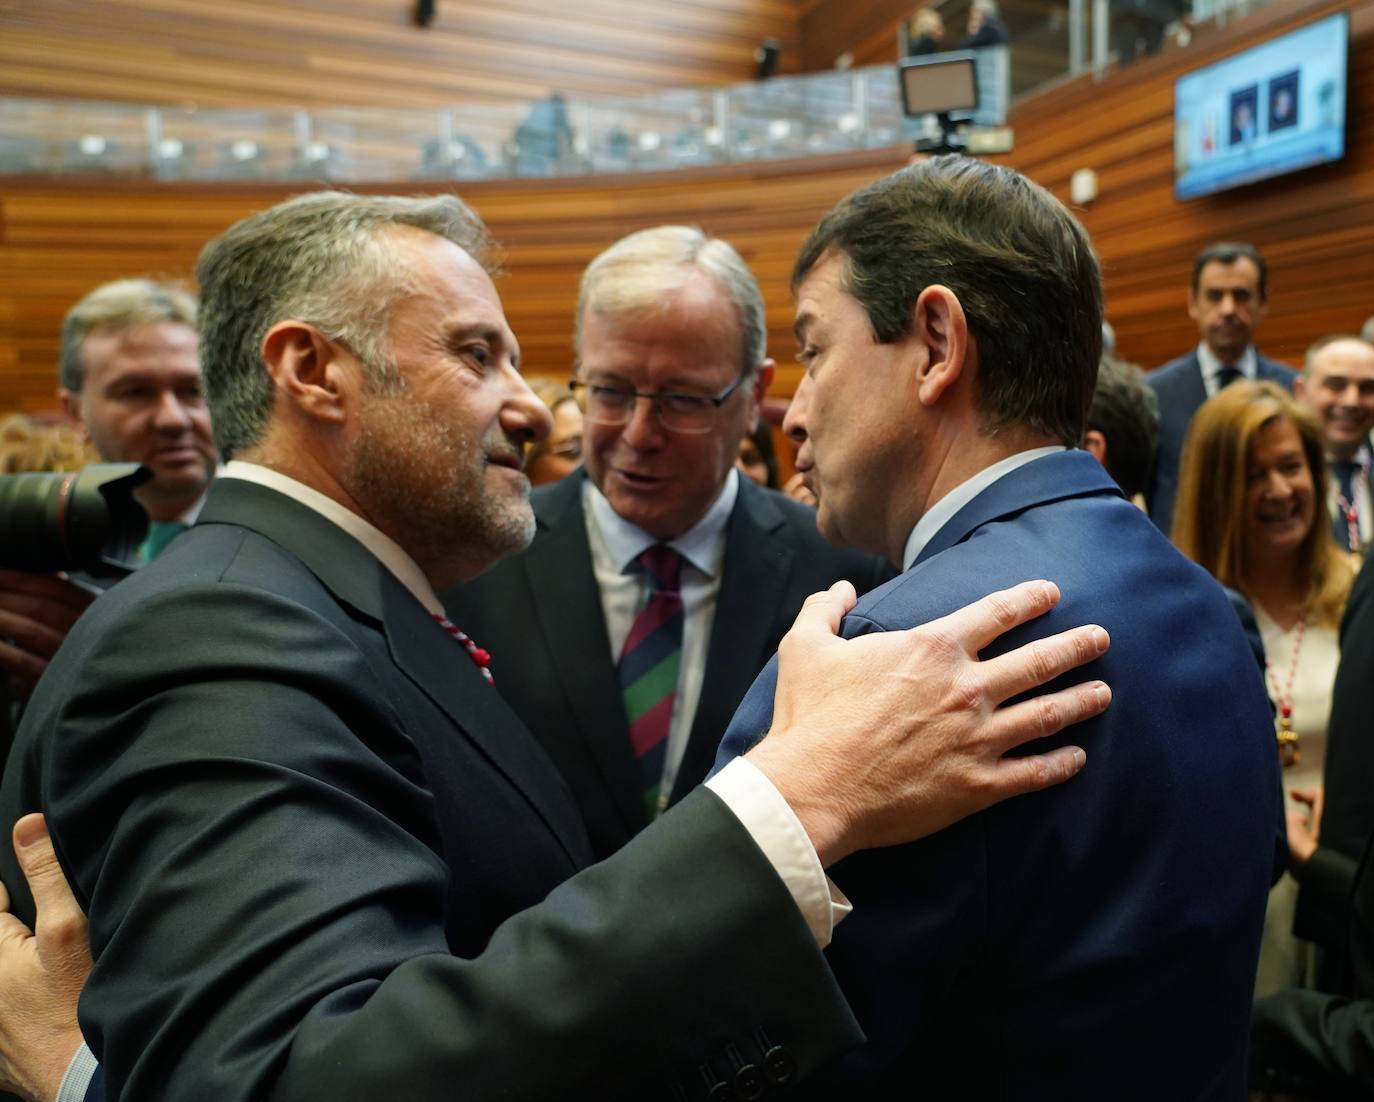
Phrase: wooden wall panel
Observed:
(368, 53)
(57, 239)
(1315, 228)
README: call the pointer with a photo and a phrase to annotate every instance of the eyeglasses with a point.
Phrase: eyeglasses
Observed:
(614, 403)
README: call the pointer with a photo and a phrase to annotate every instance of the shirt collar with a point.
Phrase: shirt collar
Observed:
(387, 550)
(1211, 365)
(702, 545)
(942, 512)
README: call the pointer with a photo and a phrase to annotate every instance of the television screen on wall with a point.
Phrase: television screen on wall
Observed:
(1275, 108)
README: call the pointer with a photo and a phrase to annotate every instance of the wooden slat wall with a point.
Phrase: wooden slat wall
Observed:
(1317, 228)
(368, 53)
(57, 241)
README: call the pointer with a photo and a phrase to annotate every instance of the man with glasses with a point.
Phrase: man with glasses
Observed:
(659, 581)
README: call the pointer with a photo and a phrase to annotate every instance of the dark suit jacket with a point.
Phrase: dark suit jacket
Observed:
(1180, 390)
(1097, 940)
(323, 860)
(1317, 1044)
(539, 613)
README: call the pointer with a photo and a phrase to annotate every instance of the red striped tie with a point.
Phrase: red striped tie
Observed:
(648, 670)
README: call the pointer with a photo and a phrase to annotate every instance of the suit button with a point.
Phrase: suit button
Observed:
(721, 1092)
(779, 1065)
(750, 1083)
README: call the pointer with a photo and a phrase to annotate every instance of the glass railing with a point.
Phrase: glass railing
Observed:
(783, 117)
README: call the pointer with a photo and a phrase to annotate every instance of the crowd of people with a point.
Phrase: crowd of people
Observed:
(386, 774)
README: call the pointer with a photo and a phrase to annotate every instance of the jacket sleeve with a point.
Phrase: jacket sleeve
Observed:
(255, 842)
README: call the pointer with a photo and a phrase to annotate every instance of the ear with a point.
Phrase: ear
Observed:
(309, 369)
(1299, 391)
(1192, 303)
(1096, 445)
(940, 326)
(762, 381)
(71, 406)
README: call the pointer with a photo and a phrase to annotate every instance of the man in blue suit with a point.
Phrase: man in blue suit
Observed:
(1097, 942)
(1228, 299)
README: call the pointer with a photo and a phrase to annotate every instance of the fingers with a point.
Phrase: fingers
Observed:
(30, 635)
(56, 907)
(1042, 660)
(978, 624)
(27, 668)
(44, 587)
(822, 612)
(1306, 796)
(1016, 776)
(1046, 715)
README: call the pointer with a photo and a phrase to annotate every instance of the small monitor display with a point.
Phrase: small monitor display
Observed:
(1272, 109)
(939, 84)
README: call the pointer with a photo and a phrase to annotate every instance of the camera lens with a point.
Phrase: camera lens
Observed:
(82, 520)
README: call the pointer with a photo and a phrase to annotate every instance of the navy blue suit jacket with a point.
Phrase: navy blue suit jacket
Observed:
(1178, 386)
(1097, 940)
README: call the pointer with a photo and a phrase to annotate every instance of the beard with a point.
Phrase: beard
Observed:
(429, 485)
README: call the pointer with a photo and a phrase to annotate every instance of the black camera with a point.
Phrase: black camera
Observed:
(84, 520)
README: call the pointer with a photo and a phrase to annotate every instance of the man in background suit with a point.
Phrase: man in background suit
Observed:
(1337, 383)
(322, 858)
(1228, 299)
(678, 318)
(129, 375)
(1099, 942)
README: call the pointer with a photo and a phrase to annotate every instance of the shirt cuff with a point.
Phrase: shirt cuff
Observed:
(776, 830)
(77, 1080)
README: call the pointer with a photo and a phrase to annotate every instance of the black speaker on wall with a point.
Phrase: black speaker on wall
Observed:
(424, 12)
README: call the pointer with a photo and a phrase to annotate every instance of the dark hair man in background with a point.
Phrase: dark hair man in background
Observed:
(1095, 942)
(322, 858)
(1228, 299)
(1122, 428)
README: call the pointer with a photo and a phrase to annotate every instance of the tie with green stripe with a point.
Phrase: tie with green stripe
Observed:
(648, 669)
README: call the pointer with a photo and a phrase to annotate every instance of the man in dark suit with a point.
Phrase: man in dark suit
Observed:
(1095, 943)
(1228, 299)
(320, 856)
(1337, 384)
(665, 309)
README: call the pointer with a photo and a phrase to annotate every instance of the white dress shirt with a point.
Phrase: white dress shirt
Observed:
(942, 512)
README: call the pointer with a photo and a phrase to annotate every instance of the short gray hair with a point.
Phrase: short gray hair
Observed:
(321, 258)
(639, 271)
(123, 304)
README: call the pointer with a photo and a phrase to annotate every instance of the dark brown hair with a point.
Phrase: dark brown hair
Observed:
(1020, 264)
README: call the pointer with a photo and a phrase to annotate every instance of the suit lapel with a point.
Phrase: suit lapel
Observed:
(567, 607)
(1051, 478)
(421, 649)
(754, 578)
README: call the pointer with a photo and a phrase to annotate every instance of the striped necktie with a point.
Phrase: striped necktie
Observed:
(1346, 525)
(648, 670)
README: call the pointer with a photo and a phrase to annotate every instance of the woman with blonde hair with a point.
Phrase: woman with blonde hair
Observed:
(1251, 510)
